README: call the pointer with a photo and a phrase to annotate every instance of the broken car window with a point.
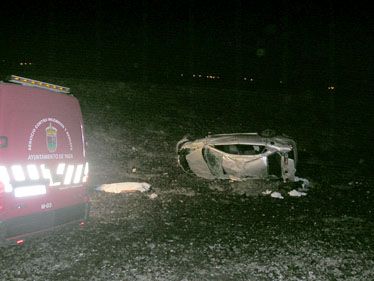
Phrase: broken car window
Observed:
(241, 149)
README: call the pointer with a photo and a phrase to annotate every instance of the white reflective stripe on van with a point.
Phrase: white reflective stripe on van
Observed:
(85, 173)
(33, 172)
(18, 173)
(5, 179)
(78, 174)
(46, 174)
(32, 190)
(60, 169)
(67, 174)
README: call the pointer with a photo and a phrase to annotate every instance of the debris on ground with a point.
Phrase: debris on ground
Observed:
(254, 188)
(123, 187)
(153, 196)
(277, 195)
(295, 193)
(267, 192)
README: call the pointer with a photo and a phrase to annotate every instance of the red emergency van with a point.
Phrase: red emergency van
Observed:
(43, 164)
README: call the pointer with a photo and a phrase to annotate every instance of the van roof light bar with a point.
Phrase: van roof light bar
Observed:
(39, 84)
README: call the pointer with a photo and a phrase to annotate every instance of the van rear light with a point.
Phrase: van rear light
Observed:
(5, 179)
(18, 173)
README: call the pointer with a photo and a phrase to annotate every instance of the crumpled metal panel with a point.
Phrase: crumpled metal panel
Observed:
(243, 167)
(197, 164)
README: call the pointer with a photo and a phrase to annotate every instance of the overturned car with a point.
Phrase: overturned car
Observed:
(239, 156)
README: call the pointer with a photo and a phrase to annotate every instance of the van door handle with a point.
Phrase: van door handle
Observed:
(3, 141)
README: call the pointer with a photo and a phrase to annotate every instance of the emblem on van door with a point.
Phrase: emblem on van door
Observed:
(52, 134)
(51, 138)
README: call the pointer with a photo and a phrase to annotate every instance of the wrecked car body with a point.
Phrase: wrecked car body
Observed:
(239, 156)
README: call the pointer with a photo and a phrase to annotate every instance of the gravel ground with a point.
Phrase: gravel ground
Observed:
(206, 230)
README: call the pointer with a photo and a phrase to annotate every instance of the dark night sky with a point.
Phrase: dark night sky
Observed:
(302, 40)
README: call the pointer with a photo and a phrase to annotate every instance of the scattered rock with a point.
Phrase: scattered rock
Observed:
(153, 196)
